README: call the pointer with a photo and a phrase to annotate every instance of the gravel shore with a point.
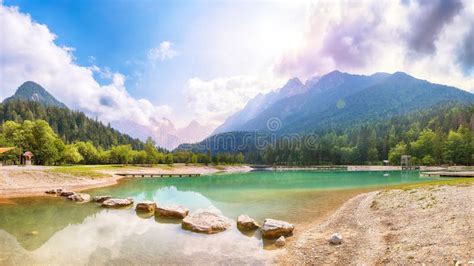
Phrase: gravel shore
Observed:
(433, 225)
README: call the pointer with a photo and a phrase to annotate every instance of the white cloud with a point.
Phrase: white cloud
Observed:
(422, 38)
(162, 52)
(214, 100)
(28, 52)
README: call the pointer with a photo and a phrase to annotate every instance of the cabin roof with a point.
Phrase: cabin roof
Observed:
(5, 149)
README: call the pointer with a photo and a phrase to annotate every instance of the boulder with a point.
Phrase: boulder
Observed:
(66, 193)
(80, 197)
(335, 239)
(146, 206)
(101, 199)
(56, 191)
(172, 211)
(117, 203)
(205, 222)
(275, 228)
(245, 223)
(280, 242)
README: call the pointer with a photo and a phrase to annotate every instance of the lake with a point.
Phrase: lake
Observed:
(53, 230)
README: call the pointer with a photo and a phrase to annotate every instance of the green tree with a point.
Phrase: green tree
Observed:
(169, 159)
(121, 154)
(71, 154)
(395, 154)
(88, 152)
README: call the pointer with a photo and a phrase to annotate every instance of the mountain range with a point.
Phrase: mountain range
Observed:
(335, 101)
(339, 99)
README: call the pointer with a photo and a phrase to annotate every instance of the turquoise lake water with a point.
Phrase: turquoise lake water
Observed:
(53, 230)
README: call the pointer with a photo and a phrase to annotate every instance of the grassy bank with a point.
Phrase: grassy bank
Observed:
(438, 182)
(91, 171)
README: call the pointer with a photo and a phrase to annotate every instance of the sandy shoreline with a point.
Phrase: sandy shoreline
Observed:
(433, 225)
(31, 181)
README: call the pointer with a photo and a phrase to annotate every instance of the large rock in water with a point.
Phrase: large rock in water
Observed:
(245, 223)
(146, 206)
(172, 211)
(206, 222)
(275, 228)
(101, 199)
(80, 197)
(117, 203)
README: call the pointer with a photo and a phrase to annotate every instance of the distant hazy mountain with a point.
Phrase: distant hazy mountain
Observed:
(193, 132)
(166, 134)
(339, 99)
(259, 104)
(31, 91)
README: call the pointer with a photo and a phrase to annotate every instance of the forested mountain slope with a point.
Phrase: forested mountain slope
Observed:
(68, 124)
(341, 99)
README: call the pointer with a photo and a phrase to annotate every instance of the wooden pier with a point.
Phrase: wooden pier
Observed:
(449, 174)
(151, 175)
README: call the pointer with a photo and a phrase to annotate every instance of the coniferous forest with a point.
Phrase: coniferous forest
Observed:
(433, 136)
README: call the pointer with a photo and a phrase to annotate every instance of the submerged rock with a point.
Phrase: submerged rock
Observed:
(245, 223)
(206, 222)
(280, 242)
(101, 199)
(116, 203)
(56, 191)
(33, 233)
(146, 206)
(172, 211)
(80, 197)
(335, 239)
(66, 193)
(275, 228)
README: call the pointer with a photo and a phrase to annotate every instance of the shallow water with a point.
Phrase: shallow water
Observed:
(53, 230)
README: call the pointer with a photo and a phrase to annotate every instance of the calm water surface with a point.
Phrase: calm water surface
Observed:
(53, 230)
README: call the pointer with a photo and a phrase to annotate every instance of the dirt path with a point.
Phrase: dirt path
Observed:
(428, 225)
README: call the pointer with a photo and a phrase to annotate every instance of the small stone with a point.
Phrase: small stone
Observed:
(80, 197)
(33, 233)
(146, 206)
(280, 242)
(335, 239)
(101, 199)
(245, 223)
(275, 228)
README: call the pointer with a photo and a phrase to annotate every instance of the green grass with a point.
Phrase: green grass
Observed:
(219, 167)
(438, 182)
(91, 171)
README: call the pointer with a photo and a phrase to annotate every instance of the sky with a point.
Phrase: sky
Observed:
(153, 66)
